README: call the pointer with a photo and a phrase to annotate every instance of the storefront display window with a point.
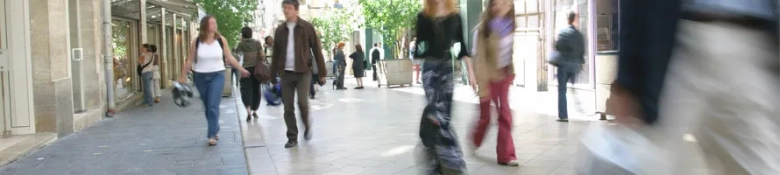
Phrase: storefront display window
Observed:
(124, 54)
(607, 24)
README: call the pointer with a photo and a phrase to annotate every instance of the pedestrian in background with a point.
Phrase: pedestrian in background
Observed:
(340, 60)
(296, 39)
(357, 65)
(208, 54)
(439, 26)
(145, 62)
(252, 51)
(493, 50)
(571, 52)
(156, 76)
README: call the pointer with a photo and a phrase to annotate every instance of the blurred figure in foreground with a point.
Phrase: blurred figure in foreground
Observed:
(710, 66)
(439, 26)
(494, 74)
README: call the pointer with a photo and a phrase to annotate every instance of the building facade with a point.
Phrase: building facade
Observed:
(57, 72)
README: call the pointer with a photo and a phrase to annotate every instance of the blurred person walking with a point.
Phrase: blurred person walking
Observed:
(208, 54)
(375, 55)
(571, 56)
(709, 68)
(250, 86)
(493, 50)
(268, 50)
(296, 39)
(439, 26)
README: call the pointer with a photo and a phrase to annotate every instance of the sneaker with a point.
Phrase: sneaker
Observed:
(511, 163)
(563, 120)
(290, 144)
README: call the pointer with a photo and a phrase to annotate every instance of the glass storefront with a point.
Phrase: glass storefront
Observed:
(607, 23)
(125, 50)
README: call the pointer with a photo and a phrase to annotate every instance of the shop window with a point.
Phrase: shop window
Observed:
(124, 57)
(607, 25)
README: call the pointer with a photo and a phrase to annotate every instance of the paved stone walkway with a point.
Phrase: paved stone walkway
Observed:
(159, 140)
(374, 131)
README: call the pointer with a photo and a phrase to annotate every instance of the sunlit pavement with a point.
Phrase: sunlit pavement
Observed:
(160, 140)
(374, 131)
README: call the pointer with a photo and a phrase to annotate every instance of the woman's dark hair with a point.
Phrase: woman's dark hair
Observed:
(246, 32)
(204, 25)
(153, 48)
(268, 37)
(358, 48)
(147, 46)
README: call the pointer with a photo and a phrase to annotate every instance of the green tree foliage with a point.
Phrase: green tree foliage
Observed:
(391, 18)
(335, 25)
(230, 15)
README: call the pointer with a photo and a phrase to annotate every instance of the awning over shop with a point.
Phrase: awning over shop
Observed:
(130, 9)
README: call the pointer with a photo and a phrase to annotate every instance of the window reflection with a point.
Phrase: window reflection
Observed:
(123, 33)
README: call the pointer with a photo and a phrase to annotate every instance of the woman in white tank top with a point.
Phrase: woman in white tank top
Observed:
(147, 71)
(209, 53)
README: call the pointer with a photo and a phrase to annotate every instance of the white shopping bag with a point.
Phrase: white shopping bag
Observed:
(618, 150)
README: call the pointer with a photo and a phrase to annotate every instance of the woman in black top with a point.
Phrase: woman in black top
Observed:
(439, 27)
(357, 65)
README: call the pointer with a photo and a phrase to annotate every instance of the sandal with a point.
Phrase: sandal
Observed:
(212, 142)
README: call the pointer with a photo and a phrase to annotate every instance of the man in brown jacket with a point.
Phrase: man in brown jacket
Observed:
(296, 39)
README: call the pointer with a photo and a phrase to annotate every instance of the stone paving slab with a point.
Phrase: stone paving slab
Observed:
(374, 132)
(159, 140)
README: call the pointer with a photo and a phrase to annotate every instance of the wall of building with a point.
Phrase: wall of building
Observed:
(53, 75)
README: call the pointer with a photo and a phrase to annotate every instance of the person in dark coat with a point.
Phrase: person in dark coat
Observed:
(341, 61)
(357, 65)
(571, 46)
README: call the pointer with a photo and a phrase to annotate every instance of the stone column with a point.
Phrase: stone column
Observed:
(52, 84)
(142, 32)
(177, 63)
(167, 69)
(93, 84)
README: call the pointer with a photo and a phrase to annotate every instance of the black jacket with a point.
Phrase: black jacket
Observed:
(571, 46)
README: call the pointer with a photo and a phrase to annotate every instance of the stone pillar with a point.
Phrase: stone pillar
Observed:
(175, 46)
(74, 20)
(166, 69)
(183, 40)
(142, 22)
(52, 84)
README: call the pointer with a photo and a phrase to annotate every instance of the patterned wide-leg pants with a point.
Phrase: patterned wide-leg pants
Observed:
(445, 155)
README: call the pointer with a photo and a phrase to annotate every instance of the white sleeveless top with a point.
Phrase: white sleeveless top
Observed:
(209, 58)
(148, 58)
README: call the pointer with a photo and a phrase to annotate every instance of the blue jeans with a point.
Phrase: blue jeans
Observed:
(210, 87)
(566, 74)
(147, 83)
